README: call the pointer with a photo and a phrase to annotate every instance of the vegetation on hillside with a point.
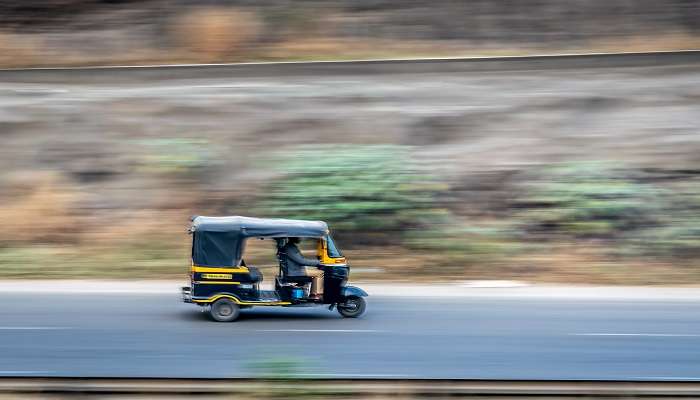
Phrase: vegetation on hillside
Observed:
(387, 213)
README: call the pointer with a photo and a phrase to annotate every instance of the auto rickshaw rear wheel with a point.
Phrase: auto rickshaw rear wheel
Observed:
(224, 310)
(352, 307)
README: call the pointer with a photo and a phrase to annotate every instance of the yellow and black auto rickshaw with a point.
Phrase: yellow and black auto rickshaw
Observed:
(221, 280)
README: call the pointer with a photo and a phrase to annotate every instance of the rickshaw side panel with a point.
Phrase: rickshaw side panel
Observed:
(205, 291)
(240, 281)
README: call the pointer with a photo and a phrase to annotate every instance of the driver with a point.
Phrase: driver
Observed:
(295, 264)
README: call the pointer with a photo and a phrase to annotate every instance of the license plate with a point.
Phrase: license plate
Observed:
(217, 276)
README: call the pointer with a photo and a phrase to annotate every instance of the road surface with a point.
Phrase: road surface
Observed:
(154, 335)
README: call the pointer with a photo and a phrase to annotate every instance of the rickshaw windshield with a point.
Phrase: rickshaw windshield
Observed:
(333, 251)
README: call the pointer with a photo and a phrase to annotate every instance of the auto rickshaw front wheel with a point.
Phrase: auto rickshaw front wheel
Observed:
(352, 307)
(224, 310)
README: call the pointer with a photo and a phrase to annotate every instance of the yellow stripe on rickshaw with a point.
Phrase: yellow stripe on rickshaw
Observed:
(245, 303)
(242, 270)
(217, 282)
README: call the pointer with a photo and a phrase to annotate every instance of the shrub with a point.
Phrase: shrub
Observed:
(176, 155)
(676, 233)
(354, 187)
(456, 247)
(678, 239)
(589, 200)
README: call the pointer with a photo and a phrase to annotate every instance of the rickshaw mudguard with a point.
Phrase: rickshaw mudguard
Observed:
(348, 291)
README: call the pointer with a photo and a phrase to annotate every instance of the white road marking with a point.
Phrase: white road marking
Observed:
(33, 328)
(311, 375)
(24, 372)
(322, 330)
(639, 334)
(669, 378)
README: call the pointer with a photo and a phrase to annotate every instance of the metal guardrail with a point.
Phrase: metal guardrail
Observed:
(344, 388)
(354, 67)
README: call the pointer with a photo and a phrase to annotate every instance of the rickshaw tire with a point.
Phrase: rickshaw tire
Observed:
(224, 310)
(359, 307)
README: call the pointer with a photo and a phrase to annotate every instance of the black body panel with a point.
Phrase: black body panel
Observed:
(334, 278)
(208, 290)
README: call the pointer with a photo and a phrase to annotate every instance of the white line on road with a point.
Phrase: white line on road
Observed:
(311, 375)
(322, 330)
(24, 372)
(32, 328)
(669, 378)
(639, 334)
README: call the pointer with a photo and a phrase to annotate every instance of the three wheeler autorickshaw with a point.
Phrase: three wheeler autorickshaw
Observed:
(221, 280)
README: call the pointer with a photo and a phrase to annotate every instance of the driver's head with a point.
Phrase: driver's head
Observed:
(294, 240)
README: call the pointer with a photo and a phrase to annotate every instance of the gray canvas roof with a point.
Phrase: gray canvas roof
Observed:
(260, 227)
(219, 241)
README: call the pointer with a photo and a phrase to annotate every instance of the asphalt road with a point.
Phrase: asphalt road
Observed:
(127, 335)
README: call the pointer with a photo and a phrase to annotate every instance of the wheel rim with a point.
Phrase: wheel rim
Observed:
(352, 305)
(224, 310)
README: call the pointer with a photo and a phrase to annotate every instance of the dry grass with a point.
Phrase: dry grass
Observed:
(669, 41)
(20, 50)
(46, 233)
(330, 48)
(39, 209)
(225, 34)
(591, 264)
(153, 244)
(216, 33)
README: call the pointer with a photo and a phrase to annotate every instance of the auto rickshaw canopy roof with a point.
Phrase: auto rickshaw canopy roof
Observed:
(220, 241)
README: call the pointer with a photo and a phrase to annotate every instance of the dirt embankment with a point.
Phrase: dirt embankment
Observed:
(100, 179)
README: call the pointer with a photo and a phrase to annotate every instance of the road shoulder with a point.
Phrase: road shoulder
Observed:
(474, 289)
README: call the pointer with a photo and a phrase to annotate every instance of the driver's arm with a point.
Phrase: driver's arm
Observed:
(295, 255)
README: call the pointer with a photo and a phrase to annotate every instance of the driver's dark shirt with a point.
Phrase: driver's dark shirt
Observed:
(293, 261)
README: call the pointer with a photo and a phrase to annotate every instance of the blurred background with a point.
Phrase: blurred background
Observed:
(584, 176)
(70, 32)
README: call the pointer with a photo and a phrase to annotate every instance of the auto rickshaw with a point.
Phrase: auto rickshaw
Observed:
(221, 280)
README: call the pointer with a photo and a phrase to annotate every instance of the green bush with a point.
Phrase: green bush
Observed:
(352, 186)
(589, 200)
(639, 219)
(678, 239)
(676, 233)
(176, 155)
(454, 246)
